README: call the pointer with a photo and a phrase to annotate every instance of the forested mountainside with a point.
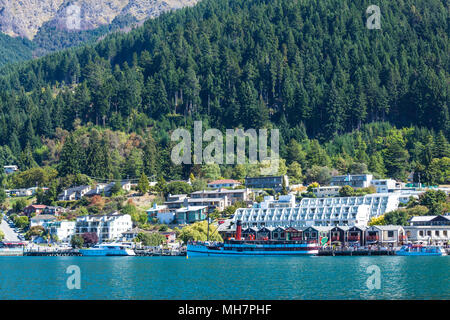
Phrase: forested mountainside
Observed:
(310, 68)
(52, 25)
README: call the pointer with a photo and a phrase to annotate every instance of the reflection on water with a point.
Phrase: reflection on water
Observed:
(225, 278)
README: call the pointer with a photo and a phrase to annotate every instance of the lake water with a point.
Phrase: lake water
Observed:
(225, 278)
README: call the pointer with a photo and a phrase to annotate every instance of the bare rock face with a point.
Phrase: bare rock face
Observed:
(24, 17)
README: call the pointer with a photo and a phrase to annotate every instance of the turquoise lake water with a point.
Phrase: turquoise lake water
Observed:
(225, 278)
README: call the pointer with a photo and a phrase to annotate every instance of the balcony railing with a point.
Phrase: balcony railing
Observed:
(354, 238)
(373, 238)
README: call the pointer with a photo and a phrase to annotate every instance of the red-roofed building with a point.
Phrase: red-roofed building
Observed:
(225, 183)
(34, 208)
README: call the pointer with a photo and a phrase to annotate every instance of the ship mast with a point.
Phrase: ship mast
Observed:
(207, 234)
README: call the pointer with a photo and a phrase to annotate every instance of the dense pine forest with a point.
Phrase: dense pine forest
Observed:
(345, 98)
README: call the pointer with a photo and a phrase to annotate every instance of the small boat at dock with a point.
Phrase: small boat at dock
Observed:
(108, 249)
(421, 250)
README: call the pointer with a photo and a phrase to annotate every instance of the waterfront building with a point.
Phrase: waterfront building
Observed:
(227, 229)
(64, 229)
(316, 233)
(33, 209)
(429, 230)
(267, 182)
(249, 233)
(327, 191)
(309, 213)
(224, 183)
(107, 227)
(338, 211)
(389, 235)
(279, 233)
(191, 214)
(355, 181)
(355, 235)
(75, 193)
(339, 235)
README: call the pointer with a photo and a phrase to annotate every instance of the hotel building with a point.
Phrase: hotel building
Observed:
(107, 227)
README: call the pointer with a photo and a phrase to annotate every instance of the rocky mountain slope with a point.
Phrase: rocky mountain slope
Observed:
(24, 18)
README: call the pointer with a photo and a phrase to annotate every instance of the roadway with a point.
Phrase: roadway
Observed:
(10, 234)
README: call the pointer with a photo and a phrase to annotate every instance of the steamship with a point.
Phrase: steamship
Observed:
(251, 247)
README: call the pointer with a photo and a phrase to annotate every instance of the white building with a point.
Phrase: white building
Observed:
(389, 235)
(231, 196)
(284, 201)
(42, 220)
(307, 214)
(342, 211)
(64, 230)
(107, 227)
(429, 230)
(75, 193)
(327, 191)
(384, 185)
(379, 203)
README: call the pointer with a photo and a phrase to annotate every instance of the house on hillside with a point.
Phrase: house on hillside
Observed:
(224, 183)
(75, 193)
(34, 209)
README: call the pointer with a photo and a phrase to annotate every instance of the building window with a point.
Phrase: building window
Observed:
(390, 234)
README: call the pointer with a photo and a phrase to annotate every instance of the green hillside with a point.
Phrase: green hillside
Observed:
(339, 93)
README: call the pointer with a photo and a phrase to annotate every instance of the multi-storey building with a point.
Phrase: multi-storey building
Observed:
(268, 182)
(384, 185)
(307, 214)
(232, 195)
(343, 211)
(429, 230)
(64, 230)
(354, 181)
(107, 227)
